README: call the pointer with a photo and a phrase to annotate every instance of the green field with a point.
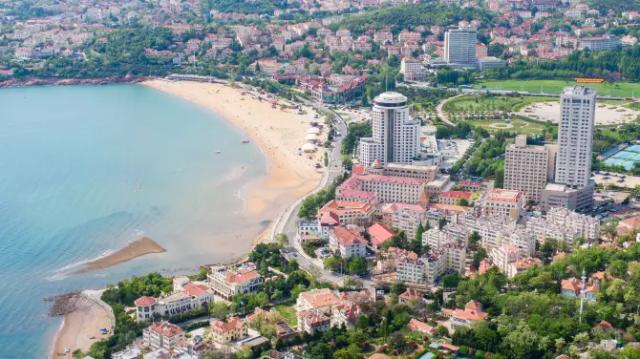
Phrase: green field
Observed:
(621, 89)
(516, 125)
(474, 103)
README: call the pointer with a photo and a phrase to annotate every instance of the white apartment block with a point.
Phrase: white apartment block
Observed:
(228, 281)
(347, 242)
(497, 231)
(412, 69)
(412, 271)
(564, 225)
(191, 297)
(526, 168)
(503, 256)
(460, 46)
(575, 136)
(404, 216)
(395, 135)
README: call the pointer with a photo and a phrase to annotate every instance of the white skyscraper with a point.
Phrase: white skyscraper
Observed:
(575, 136)
(460, 46)
(573, 188)
(395, 135)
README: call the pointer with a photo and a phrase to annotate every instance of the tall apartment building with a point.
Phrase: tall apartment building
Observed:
(526, 167)
(395, 135)
(460, 46)
(575, 145)
(575, 136)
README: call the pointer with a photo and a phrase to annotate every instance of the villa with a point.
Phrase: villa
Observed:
(191, 297)
(226, 281)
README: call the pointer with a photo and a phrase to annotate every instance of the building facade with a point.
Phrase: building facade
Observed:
(395, 135)
(460, 46)
(526, 168)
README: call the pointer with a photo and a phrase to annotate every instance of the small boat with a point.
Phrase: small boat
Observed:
(246, 141)
(218, 152)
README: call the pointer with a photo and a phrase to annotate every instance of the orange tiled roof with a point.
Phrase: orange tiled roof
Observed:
(379, 234)
(232, 323)
(165, 329)
(144, 301)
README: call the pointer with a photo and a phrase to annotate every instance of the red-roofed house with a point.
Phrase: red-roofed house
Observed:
(349, 243)
(227, 281)
(163, 335)
(227, 331)
(410, 295)
(421, 327)
(320, 309)
(572, 288)
(472, 312)
(312, 321)
(628, 225)
(379, 234)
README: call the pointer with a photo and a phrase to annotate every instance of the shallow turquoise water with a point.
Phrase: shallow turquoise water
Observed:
(85, 169)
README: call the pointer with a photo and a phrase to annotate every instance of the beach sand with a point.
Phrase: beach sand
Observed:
(278, 132)
(135, 249)
(81, 326)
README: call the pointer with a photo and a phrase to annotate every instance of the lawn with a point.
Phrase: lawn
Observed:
(288, 313)
(621, 89)
(472, 103)
(517, 125)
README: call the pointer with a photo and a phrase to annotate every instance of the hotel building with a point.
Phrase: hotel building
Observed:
(395, 135)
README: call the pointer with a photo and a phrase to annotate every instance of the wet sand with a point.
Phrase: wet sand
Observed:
(81, 325)
(135, 249)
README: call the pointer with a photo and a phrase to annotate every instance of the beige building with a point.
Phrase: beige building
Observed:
(526, 167)
(227, 331)
(503, 202)
(163, 335)
(412, 69)
(227, 282)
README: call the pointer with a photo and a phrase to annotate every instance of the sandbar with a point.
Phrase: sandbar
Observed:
(135, 249)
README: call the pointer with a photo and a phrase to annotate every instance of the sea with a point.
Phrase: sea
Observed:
(84, 170)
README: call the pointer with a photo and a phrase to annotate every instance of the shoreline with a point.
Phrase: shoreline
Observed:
(83, 315)
(288, 176)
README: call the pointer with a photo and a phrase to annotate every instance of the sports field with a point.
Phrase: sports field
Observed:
(621, 89)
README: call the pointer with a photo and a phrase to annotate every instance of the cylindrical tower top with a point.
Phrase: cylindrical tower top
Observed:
(390, 99)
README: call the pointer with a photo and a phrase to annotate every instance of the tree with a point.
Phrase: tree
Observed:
(357, 265)
(219, 310)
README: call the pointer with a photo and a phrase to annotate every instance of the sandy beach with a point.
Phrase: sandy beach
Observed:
(81, 325)
(279, 132)
(135, 249)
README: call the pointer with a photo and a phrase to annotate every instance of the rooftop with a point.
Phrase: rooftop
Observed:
(503, 195)
(390, 97)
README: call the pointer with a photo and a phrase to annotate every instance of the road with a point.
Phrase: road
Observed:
(288, 222)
